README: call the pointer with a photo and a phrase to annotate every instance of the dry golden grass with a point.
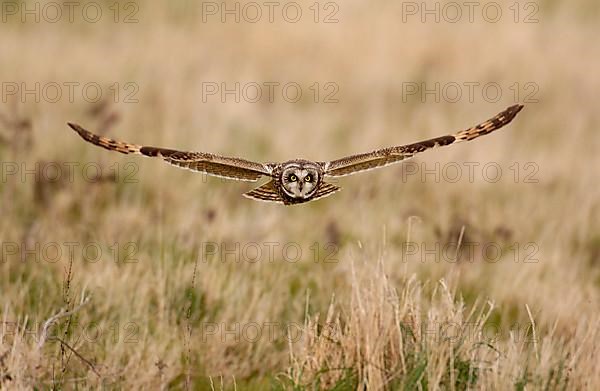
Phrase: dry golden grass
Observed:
(374, 316)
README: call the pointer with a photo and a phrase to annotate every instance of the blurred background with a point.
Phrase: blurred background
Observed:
(124, 272)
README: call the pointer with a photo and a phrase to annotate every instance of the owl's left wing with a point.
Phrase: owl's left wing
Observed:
(216, 165)
(383, 157)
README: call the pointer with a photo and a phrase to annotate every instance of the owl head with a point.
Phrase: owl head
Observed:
(300, 178)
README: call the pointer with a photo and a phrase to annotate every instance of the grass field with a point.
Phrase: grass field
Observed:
(469, 267)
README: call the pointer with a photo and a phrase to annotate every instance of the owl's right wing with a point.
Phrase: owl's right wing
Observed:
(215, 165)
(383, 157)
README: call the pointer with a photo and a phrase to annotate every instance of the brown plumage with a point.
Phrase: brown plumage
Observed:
(382, 157)
(296, 181)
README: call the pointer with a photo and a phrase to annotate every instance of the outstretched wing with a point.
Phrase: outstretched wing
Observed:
(382, 157)
(226, 167)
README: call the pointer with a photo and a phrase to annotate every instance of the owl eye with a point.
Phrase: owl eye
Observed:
(293, 178)
(307, 178)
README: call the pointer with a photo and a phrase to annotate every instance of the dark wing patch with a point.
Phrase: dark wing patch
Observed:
(227, 167)
(105, 142)
(490, 125)
(383, 157)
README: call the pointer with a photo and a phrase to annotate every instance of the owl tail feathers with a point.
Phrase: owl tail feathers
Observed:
(266, 192)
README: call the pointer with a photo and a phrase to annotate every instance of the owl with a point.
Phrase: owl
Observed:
(296, 181)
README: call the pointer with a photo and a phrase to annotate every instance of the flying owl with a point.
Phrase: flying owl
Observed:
(296, 181)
